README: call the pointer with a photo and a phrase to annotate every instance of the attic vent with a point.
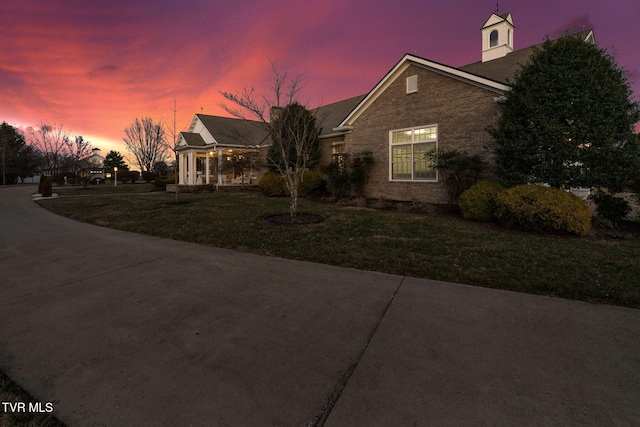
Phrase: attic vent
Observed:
(412, 84)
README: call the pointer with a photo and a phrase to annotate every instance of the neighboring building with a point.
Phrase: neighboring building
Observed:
(215, 150)
(95, 166)
(418, 106)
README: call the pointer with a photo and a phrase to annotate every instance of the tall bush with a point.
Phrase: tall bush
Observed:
(611, 207)
(47, 188)
(458, 171)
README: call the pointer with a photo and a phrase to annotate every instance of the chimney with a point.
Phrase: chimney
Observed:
(274, 113)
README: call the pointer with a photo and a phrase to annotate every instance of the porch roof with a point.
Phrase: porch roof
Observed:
(193, 139)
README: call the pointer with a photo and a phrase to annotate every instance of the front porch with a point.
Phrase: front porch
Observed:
(219, 167)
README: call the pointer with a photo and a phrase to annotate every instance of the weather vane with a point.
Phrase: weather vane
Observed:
(497, 2)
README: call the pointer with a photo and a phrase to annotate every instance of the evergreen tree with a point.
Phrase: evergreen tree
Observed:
(568, 120)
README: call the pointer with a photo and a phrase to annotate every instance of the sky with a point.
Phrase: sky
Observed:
(94, 66)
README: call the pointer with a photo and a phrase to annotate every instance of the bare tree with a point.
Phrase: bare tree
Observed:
(51, 141)
(145, 139)
(291, 126)
(76, 153)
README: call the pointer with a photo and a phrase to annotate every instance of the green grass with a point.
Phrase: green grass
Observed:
(441, 247)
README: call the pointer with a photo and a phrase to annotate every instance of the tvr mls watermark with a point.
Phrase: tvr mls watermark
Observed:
(28, 407)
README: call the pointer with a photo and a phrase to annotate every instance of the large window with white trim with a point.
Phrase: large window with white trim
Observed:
(410, 153)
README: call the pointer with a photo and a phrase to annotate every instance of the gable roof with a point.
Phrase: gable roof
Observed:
(496, 19)
(226, 132)
(406, 61)
(330, 116)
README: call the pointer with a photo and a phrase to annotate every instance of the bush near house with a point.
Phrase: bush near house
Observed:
(538, 208)
(272, 184)
(459, 171)
(479, 201)
(611, 207)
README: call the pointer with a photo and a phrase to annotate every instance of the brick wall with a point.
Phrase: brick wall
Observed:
(461, 111)
(326, 151)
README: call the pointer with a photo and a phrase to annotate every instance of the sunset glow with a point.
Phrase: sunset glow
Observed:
(95, 66)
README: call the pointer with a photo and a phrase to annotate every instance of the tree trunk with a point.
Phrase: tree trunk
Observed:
(293, 189)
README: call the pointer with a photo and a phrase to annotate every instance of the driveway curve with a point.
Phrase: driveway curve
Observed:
(115, 328)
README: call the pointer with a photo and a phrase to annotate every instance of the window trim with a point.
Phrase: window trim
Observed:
(411, 143)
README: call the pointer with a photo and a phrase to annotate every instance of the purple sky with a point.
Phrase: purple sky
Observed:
(96, 65)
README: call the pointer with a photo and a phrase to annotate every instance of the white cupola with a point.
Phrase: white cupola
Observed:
(497, 37)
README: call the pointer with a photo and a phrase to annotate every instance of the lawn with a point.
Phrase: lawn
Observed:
(596, 268)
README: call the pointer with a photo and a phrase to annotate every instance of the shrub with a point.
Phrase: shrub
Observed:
(337, 180)
(160, 183)
(40, 182)
(47, 189)
(148, 176)
(479, 201)
(273, 185)
(311, 181)
(538, 208)
(458, 171)
(359, 170)
(611, 207)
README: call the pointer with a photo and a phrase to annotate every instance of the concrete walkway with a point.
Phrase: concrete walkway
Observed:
(119, 329)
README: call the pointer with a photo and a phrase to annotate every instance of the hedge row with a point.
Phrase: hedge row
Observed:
(532, 207)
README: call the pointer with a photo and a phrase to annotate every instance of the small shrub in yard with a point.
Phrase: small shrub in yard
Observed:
(160, 183)
(273, 185)
(479, 201)
(538, 208)
(311, 181)
(148, 176)
(47, 187)
(40, 182)
(611, 207)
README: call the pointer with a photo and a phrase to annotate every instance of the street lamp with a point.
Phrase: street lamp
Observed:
(115, 180)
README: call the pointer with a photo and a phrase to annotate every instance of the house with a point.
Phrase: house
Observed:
(418, 106)
(94, 168)
(215, 151)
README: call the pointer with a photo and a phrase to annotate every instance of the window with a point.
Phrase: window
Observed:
(493, 38)
(410, 151)
(508, 36)
(412, 84)
(339, 155)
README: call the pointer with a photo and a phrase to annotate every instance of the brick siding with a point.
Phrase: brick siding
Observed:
(462, 112)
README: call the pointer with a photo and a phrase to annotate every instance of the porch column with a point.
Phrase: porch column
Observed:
(206, 168)
(219, 168)
(192, 168)
(181, 169)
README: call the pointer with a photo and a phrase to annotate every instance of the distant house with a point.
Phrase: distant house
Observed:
(418, 106)
(94, 166)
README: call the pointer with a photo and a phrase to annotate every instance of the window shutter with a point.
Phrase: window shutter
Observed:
(412, 84)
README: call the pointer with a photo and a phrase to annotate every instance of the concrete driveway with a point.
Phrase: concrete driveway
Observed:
(119, 329)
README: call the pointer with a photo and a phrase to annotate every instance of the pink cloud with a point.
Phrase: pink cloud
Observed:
(96, 66)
